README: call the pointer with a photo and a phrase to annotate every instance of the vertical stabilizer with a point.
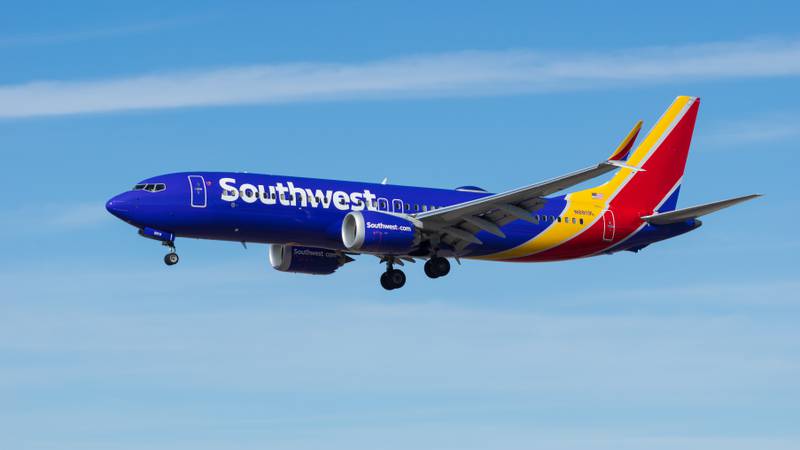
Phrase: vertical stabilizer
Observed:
(662, 154)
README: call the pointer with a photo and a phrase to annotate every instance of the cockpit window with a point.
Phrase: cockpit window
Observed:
(150, 187)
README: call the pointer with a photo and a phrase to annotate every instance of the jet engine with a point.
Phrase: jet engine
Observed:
(376, 232)
(310, 260)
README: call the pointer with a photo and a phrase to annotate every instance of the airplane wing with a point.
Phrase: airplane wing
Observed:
(693, 212)
(457, 224)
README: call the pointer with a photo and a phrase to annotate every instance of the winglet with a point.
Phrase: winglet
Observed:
(627, 144)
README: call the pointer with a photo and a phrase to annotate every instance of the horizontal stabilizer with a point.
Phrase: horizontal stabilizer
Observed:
(679, 215)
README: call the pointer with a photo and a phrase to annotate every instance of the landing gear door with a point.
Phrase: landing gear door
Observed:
(197, 186)
(609, 227)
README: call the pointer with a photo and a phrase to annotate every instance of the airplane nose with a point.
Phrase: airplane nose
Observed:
(118, 206)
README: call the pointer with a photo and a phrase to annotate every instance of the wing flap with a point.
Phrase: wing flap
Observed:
(679, 215)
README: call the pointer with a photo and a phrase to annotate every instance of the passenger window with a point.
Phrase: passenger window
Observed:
(581, 221)
(552, 218)
(559, 219)
(573, 221)
(408, 207)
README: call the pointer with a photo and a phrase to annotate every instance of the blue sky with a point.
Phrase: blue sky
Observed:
(692, 343)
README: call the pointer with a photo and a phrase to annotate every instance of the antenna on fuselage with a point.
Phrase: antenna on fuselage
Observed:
(385, 180)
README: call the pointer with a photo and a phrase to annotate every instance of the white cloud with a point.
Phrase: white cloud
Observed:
(228, 353)
(336, 346)
(442, 75)
(773, 128)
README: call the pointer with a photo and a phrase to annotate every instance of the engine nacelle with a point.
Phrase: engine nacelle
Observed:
(372, 231)
(311, 260)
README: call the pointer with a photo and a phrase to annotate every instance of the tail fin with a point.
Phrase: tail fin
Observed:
(662, 155)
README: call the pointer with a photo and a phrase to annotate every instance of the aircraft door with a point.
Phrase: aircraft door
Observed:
(609, 227)
(197, 185)
(397, 205)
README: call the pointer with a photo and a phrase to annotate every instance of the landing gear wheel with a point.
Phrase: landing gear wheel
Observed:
(437, 267)
(393, 279)
(442, 266)
(398, 278)
(171, 259)
(385, 281)
(429, 270)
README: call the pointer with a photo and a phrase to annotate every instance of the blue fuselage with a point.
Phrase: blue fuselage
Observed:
(246, 207)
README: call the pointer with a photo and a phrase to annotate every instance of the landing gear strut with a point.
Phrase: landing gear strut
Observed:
(170, 258)
(437, 267)
(392, 278)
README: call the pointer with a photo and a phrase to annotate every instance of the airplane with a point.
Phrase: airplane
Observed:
(316, 226)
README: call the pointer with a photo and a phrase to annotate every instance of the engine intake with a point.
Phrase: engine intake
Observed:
(376, 232)
(310, 260)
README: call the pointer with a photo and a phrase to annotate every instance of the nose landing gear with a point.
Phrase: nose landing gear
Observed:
(170, 258)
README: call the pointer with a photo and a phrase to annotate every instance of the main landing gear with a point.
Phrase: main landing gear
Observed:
(392, 278)
(170, 258)
(437, 267)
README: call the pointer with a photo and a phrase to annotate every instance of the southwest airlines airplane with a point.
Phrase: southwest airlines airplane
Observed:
(315, 226)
